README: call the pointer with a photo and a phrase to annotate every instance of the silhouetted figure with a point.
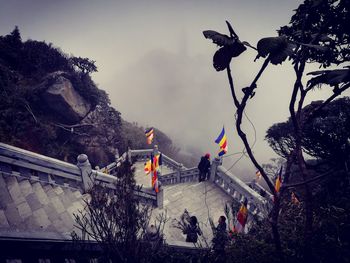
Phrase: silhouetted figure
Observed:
(152, 234)
(152, 237)
(192, 230)
(220, 239)
(204, 167)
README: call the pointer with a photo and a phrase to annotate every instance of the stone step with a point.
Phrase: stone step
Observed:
(34, 202)
(14, 190)
(57, 204)
(3, 220)
(40, 193)
(67, 198)
(5, 197)
(47, 187)
(29, 205)
(26, 188)
(2, 181)
(58, 190)
(12, 215)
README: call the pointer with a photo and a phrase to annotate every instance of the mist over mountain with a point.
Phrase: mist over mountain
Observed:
(50, 105)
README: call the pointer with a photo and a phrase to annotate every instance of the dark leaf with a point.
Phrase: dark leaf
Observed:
(237, 49)
(318, 47)
(232, 32)
(330, 77)
(321, 37)
(277, 48)
(219, 39)
(222, 58)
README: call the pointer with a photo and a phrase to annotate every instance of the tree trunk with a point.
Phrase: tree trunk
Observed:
(275, 231)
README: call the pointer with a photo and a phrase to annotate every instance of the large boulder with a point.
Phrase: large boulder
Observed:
(61, 97)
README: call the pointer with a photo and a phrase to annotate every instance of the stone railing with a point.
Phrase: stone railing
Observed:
(189, 175)
(259, 189)
(22, 163)
(143, 155)
(18, 162)
(180, 173)
(182, 176)
(238, 190)
(232, 185)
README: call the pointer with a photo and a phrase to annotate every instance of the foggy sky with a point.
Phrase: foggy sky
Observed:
(157, 67)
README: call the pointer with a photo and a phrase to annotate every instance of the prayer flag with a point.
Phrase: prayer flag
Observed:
(258, 174)
(154, 166)
(222, 141)
(148, 168)
(278, 182)
(149, 134)
(242, 217)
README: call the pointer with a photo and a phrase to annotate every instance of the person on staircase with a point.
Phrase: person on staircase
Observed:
(220, 240)
(192, 230)
(204, 167)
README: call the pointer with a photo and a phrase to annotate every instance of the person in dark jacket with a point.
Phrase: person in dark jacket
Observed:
(220, 240)
(204, 167)
(192, 230)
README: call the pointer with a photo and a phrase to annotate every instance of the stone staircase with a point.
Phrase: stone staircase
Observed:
(202, 200)
(34, 208)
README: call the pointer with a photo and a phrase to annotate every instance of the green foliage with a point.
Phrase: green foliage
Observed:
(333, 78)
(324, 137)
(26, 122)
(324, 24)
(38, 58)
(85, 65)
(318, 32)
(118, 220)
(24, 118)
(277, 49)
(84, 85)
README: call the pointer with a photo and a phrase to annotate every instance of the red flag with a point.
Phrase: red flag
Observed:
(242, 217)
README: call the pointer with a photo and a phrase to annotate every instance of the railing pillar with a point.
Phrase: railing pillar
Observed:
(178, 176)
(160, 196)
(116, 155)
(214, 166)
(129, 155)
(86, 171)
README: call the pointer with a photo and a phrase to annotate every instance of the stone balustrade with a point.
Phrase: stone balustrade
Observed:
(232, 185)
(143, 155)
(19, 162)
(181, 176)
(235, 187)
(22, 163)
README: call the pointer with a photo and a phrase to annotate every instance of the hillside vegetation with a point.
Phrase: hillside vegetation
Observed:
(50, 105)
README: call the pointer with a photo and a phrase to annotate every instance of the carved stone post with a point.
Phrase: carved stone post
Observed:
(160, 196)
(178, 176)
(155, 150)
(86, 171)
(214, 166)
(116, 155)
(129, 155)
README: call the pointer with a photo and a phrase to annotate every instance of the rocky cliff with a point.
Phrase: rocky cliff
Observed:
(49, 104)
